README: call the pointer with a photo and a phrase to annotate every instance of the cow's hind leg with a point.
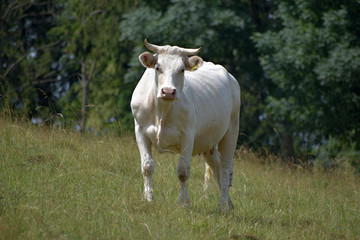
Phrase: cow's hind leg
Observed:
(227, 147)
(212, 166)
(147, 161)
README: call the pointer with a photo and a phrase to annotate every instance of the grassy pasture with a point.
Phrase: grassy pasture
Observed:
(56, 184)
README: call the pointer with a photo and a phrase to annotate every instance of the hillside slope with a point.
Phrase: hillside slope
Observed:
(56, 184)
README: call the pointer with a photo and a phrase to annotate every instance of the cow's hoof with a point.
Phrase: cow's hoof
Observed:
(231, 205)
(226, 208)
(184, 203)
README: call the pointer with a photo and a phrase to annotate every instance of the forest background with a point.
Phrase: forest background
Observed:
(74, 64)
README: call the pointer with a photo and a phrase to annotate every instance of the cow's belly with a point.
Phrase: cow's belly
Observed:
(168, 140)
(208, 138)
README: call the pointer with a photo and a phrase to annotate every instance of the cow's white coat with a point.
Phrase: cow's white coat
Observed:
(202, 119)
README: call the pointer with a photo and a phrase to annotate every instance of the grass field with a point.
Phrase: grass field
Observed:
(56, 184)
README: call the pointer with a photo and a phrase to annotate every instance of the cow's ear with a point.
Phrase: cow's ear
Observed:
(147, 60)
(194, 63)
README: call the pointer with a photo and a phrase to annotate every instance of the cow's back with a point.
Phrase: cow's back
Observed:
(215, 94)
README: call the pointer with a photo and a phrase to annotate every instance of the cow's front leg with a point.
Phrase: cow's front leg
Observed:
(183, 173)
(147, 161)
(147, 167)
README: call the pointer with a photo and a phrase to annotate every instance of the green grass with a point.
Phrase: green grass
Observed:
(59, 185)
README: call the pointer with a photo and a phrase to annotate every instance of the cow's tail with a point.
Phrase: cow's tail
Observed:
(207, 178)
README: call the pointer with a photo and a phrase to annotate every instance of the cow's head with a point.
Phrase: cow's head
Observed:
(170, 64)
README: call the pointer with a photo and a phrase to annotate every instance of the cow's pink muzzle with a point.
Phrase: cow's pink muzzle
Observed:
(168, 93)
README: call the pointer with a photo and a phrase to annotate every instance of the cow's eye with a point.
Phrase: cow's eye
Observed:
(182, 70)
(157, 68)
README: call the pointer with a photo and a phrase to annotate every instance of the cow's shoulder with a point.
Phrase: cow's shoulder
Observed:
(142, 100)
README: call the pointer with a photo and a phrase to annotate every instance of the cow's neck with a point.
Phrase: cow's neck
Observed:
(162, 108)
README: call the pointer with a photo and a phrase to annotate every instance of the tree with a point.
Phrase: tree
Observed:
(90, 31)
(80, 22)
(314, 61)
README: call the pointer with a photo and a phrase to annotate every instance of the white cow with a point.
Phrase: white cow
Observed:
(186, 106)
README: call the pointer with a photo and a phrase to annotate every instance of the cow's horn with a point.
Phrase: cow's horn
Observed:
(152, 47)
(192, 51)
(161, 49)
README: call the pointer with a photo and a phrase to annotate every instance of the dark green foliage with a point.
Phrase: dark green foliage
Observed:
(314, 62)
(28, 57)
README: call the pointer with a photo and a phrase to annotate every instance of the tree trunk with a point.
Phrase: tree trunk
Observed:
(85, 91)
(85, 81)
(287, 146)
